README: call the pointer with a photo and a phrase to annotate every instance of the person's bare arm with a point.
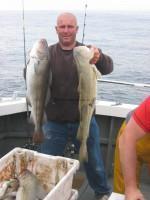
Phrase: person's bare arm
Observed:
(127, 150)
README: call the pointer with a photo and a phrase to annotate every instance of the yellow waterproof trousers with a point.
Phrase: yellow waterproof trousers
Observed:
(143, 156)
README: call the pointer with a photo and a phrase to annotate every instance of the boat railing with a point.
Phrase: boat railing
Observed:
(121, 91)
(124, 83)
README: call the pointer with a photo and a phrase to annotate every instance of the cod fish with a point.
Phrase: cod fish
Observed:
(88, 75)
(29, 187)
(8, 189)
(38, 78)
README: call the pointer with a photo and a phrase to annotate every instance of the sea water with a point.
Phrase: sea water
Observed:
(123, 36)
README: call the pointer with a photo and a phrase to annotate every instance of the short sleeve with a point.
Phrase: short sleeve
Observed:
(142, 115)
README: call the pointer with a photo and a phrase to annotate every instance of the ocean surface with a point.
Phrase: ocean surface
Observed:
(124, 36)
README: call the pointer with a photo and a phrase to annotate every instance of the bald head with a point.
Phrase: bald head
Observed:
(66, 29)
(68, 16)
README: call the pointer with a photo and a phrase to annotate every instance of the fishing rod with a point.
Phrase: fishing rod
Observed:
(84, 24)
(105, 80)
(24, 36)
(125, 83)
(28, 145)
(24, 48)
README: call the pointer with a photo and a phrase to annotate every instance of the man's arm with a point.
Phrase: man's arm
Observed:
(103, 62)
(127, 150)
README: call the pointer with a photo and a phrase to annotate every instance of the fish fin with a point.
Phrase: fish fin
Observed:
(30, 118)
(29, 114)
(83, 155)
(79, 85)
(44, 118)
(36, 67)
(97, 73)
(79, 133)
(92, 103)
(83, 110)
(28, 101)
(48, 95)
(41, 192)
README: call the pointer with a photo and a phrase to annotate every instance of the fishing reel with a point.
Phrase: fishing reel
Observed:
(31, 146)
(70, 150)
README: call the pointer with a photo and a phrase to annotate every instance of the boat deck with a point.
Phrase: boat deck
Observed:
(86, 193)
(15, 131)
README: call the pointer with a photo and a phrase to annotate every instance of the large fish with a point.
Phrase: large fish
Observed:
(88, 75)
(37, 80)
(29, 187)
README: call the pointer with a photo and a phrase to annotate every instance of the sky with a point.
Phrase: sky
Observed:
(137, 5)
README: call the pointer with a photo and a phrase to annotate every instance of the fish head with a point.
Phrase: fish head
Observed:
(40, 50)
(83, 53)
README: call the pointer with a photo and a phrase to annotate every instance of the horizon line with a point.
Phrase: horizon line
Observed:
(96, 10)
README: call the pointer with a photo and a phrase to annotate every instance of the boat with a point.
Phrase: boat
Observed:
(15, 131)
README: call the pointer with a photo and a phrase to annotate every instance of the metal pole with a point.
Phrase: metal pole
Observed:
(125, 83)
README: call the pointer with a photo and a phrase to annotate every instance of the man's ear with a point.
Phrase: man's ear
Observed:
(56, 29)
(77, 28)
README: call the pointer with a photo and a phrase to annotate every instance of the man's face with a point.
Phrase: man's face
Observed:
(66, 29)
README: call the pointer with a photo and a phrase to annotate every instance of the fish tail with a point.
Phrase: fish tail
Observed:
(38, 137)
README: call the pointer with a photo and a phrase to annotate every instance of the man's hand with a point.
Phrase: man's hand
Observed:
(96, 56)
(134, 194)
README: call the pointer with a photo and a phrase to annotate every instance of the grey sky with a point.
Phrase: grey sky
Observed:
(139, 5)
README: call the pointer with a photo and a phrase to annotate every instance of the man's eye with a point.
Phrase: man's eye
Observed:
(61, 26)
(70, 26)
(65, 27)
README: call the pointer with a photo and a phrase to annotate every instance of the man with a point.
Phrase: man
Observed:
(62, 109)
(133, 149)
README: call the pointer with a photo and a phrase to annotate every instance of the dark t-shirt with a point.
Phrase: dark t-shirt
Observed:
(63, 104)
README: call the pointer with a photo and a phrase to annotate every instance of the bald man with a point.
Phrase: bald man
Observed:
(62, 109)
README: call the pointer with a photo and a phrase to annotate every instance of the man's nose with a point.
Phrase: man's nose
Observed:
(66, 29)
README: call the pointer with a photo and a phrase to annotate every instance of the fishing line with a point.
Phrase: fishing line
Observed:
(84, 24)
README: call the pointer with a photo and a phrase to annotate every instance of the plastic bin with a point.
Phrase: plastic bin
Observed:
(54, 172)
(74, 195)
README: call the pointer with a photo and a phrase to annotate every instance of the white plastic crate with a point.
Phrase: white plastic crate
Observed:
(54, 172)
(74, 195)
